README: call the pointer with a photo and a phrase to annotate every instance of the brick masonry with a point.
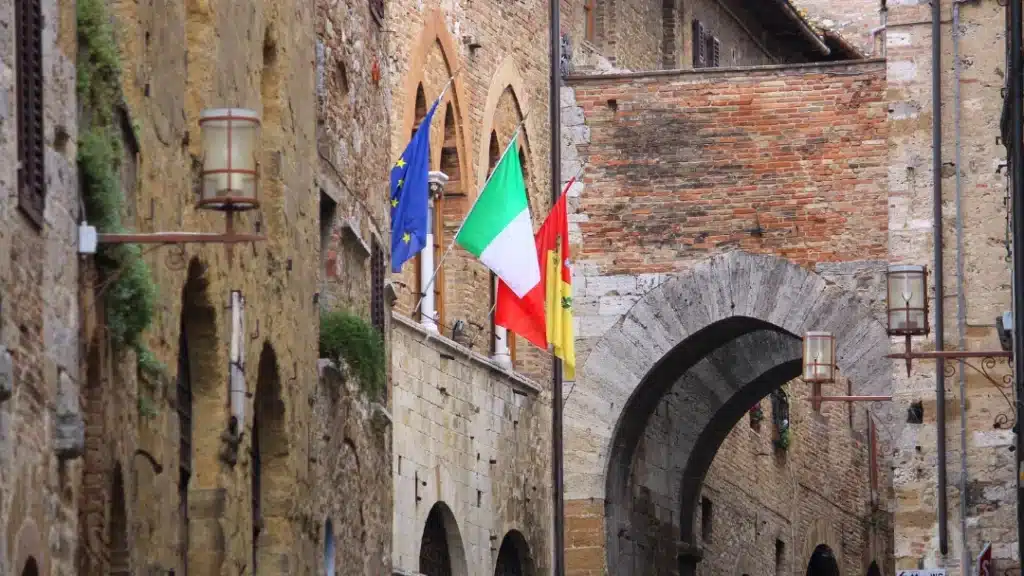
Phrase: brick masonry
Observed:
(39, 315)
(475, 438)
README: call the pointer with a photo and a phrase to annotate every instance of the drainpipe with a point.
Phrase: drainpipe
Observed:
(940, 376)
(1015, 159)
(961, 303)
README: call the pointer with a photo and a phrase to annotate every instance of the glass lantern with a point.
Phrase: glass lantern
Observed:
(819, 357)
(907, 300)
(230, 173)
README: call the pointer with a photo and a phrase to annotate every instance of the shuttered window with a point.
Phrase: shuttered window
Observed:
(377, 287)
(31, 186)
(699, 45)
(714, 51)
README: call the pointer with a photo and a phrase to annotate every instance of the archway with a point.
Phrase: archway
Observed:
(31, 568)
(329, 552)
(514, 557)
(688, 361)
(823, 562)
(441, 551)
(269, 465)
(874, 570)
(120, 555)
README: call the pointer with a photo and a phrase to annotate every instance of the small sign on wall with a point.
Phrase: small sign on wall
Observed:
(929, 572)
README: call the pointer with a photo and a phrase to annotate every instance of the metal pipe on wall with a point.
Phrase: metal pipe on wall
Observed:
(940, 376)
(961, 303)
(1016, 161)
(558, 540)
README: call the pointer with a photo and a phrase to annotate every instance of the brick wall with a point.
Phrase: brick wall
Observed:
(39, 311)
(692, 163)
(474, 437)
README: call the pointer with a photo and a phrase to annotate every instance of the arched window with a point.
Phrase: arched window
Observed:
(329, 549)
(590, 18)
(31, 568)
(493, 156)
(780, 419)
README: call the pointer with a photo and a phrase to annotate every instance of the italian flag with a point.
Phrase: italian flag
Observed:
(499, 231)
(555, 291)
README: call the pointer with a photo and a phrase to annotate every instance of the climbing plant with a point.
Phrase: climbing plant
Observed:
(346, 336)
(126, 286)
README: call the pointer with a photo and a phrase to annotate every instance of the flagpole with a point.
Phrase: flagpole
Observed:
(440, 263)
(556, 389)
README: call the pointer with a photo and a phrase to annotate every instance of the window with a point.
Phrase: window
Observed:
(377, 287)
(377, 10)
(780, 555)
(28, 18)
(329, 551)
(706, 518)
(780, 419)
(589, 30)
(699, 45)
(714, 51)
(328, 208)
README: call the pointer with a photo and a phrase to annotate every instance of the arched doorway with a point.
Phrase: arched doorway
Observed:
(441, 552)
(823, 562)
(659, 392)
(874, 570)
(329, 551)
(120, 556)
(269, 464)
(31, 568)
(514, 556)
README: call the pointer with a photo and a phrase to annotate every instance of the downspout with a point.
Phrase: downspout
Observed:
(940, 376)
(961, 304)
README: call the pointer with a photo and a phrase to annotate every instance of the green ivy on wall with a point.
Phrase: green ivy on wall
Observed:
(127, 287)
(346, 336)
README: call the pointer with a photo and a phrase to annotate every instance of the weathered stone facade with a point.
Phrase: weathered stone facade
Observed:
(474, 441)
(40, 416)
(974, 242)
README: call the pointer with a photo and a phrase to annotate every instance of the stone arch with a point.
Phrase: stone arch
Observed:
(28, 550)
(823, 562)
(821, 534)
(441, 550)
(120, 552)
(514, 557)
(272, 484)
(329, 550)
(201, 399)
(435, 32)
(507, 77)
(720, 335)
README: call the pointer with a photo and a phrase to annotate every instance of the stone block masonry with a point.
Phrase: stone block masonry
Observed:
(473, 439)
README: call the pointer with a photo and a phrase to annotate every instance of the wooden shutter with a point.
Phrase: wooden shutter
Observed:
(377, 287)
(699, 45)
(31, 185)
(716, 49)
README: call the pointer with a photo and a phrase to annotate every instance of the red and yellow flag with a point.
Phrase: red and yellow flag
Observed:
(555, 328)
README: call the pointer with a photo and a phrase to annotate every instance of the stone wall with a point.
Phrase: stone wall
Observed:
(474, 440)
(984, 474)
(40, 415)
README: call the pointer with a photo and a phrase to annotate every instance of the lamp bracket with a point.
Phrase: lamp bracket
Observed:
(987, 360)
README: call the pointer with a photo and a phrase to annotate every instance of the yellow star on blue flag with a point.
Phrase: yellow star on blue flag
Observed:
(410, 196)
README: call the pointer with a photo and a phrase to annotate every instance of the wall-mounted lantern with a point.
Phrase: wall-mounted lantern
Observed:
(819, 357)
(229, 182)
(907, 304)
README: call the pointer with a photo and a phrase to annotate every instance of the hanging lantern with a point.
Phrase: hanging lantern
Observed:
(230, 175)
(907, 300)
(819, 357)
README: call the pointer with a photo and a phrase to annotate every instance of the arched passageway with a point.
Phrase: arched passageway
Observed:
(823, 562)
(874, 570)
(31, 568)
(514, 557)
(678, 371)
(269, 468)
(441, 551)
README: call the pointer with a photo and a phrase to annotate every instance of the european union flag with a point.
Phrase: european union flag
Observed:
(409, 196)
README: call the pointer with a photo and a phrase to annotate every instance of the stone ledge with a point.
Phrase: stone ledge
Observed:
(518, 382)
(840, 67)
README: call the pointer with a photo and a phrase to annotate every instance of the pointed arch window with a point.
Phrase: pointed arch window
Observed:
(590, 17)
